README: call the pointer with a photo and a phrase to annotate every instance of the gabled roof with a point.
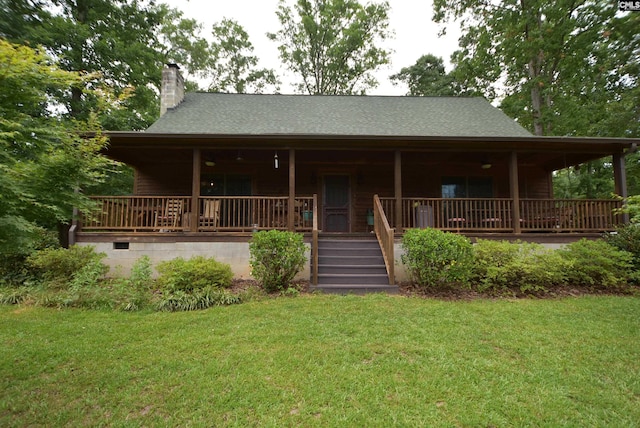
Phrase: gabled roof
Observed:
(243, 114)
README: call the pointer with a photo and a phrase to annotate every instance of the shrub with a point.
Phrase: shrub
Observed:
(197, 273)
(627, 238)
(597, 263)
(141, 274)
(276, 258)
(180, 300)
(433, 257)
(134, 293)
(13, 295)
(502, 266)
(14, 269)
(60, 268)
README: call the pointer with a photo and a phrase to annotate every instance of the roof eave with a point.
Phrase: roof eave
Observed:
(398, 141)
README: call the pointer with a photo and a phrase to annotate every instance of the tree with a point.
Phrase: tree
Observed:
(333, 45)
(427, 77)
(563, 67)
(232, 63)
(126, 41)
(123, 44)
(591, 180)
(20, 19)
(43, 157)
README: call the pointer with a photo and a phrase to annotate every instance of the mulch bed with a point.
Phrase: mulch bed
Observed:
(450, 293)
(447, 293)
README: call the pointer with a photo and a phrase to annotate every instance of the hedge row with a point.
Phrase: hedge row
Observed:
(435, 258)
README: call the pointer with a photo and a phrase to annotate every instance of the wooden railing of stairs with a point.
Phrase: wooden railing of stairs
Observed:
(314, 241)
(386, 237)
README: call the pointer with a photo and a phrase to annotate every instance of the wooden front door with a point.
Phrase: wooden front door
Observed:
(337, 195)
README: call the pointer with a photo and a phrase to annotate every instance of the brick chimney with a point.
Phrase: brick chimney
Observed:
(172, 92)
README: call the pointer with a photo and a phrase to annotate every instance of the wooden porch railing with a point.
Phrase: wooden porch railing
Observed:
(137, 213)
(581, 215)
(215, 213)
(496, 214)
(386, 237)
(249, 213)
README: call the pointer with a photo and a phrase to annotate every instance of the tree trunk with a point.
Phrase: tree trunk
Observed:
(536, 100)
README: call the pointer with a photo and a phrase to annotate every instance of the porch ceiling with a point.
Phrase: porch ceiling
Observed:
(550, 153)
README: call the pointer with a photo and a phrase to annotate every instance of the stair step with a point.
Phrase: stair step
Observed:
(352, 260)
(356, 289)
(352, 269)
(349, 252)
(352, 266)
(349, 244)
(351, 278)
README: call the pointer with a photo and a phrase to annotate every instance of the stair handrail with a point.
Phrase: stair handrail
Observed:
(386, 237)
(314, 241)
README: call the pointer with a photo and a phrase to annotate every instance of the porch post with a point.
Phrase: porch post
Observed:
(515, 191)
(620, 179)
(292, 190)
(195, 192)
(398, 190)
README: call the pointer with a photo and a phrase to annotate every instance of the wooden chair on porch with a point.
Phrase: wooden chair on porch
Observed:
(170, 217)
(565, 218)
(210, 217)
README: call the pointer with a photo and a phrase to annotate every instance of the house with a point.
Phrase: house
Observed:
(217, 167)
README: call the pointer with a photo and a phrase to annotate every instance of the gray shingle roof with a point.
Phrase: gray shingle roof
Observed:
(242, 114)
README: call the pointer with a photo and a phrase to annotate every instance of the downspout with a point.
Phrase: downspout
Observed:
(74, 228)
(75, 224)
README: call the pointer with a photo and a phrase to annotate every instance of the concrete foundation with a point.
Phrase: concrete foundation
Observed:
(122, 256)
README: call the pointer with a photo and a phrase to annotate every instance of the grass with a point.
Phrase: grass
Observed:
(327, 361)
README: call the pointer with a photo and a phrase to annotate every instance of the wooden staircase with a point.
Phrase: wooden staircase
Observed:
(351, 264)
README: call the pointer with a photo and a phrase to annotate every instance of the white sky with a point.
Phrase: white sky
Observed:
(410, 20)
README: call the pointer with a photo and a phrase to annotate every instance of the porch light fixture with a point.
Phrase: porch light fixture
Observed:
(276, 163)
(239, 158)
(210, 161)
(485, 164)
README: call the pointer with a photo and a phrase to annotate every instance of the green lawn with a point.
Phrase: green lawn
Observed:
(327, 361)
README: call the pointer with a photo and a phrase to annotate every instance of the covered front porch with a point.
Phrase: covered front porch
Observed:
(202, 185)
(204, 195)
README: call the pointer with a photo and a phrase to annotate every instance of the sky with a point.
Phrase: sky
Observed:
(410, 20)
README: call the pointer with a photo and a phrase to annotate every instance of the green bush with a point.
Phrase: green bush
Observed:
(135, 292)
(627, 238)
(276, 258)
(502, 266)
(434, 258)
(194, 274)
(597, 263)
(14, 269)
(141, 277)
(13, 295)
(204, 298)
(60, 268)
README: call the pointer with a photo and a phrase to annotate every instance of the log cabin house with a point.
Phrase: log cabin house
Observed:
(217, 167)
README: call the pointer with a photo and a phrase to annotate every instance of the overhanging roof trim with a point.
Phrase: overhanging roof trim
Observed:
(124, 136)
